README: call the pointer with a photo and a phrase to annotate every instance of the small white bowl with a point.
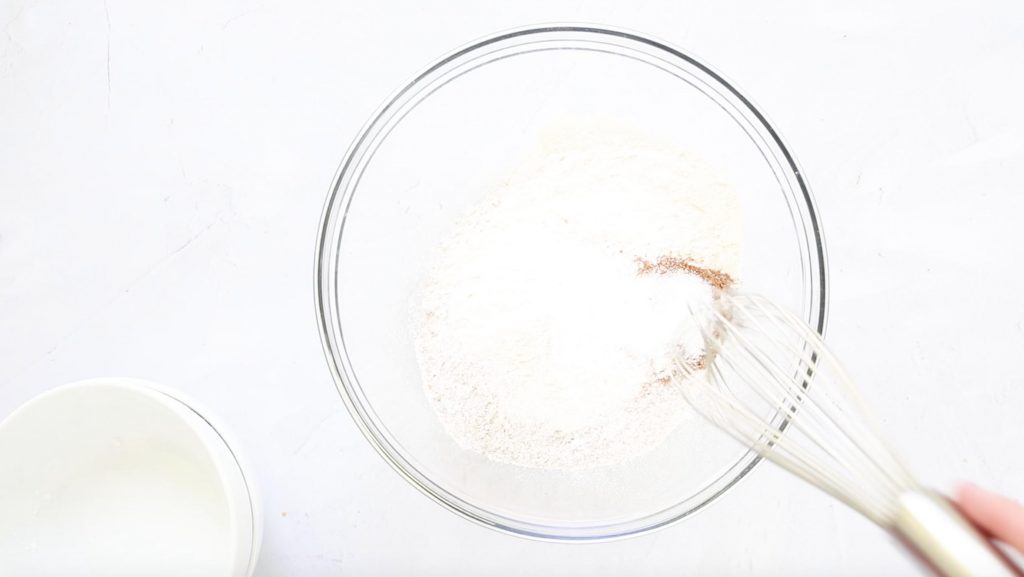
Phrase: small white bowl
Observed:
(119, 477)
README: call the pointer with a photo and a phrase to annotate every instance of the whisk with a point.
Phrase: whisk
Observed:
(771, 383)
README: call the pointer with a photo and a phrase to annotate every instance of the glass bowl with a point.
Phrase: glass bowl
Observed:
(428, 154)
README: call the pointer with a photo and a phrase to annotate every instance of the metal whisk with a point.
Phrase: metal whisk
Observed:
(771, 383)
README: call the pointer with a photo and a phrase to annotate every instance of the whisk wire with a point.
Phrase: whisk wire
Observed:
(868, 436)
(804, 425)
(772, 384)
(868, 444)
(750, 428)
(814, 419)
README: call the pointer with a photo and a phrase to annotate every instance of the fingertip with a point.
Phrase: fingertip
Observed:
(993, 513)
(965, 490)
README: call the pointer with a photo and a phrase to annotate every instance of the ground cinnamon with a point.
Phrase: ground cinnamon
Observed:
(667, 263)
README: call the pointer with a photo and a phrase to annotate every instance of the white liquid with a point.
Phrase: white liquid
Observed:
(108, 482)
(144, 510)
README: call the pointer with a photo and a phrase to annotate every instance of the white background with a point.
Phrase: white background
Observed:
(163, 166)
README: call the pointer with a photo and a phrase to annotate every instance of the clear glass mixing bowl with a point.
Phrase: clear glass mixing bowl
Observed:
(429, 153)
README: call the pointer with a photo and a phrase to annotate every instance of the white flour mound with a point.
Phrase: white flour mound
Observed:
(539, 343)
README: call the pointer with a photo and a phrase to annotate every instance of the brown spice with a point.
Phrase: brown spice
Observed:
(667, 263)
(689, 365)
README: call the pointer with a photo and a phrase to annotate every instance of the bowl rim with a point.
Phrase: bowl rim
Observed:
(247, 522)
(817, 300)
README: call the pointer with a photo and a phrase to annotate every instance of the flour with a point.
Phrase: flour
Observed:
(543, 336)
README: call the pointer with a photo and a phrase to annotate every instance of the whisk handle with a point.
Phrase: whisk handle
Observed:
(947, 542)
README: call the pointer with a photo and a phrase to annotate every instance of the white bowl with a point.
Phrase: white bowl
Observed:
(119, 477)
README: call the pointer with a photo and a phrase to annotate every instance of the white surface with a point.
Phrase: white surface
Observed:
(162, 169)
(112, 477)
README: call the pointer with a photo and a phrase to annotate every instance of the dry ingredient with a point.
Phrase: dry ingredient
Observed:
(554, 310)
(666, 264)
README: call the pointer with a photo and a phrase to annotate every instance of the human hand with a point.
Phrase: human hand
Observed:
(999, 516)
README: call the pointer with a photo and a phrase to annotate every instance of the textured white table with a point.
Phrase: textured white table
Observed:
(162, 169)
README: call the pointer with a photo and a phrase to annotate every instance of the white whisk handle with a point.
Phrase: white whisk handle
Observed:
(947, 542)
